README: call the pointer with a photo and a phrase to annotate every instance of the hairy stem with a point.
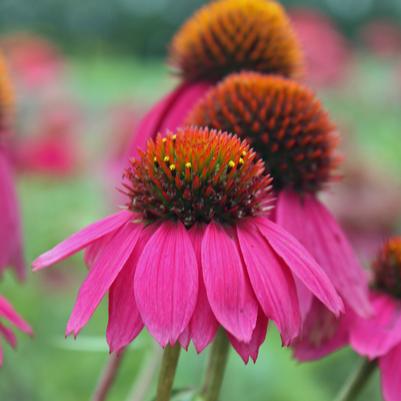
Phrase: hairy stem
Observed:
(108, 375)
(357, 381)
(167, 372)
(216, 367)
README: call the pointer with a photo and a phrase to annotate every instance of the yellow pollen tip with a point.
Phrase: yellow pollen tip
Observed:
(166, 159)
(231, 164)
(164, 140)
(172, 167)
(241, 161)
(243, 154)
(174, 137)
(155, 159)
(188, 165)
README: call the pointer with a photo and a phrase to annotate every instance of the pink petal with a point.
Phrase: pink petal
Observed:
(8, 312)
(251, 349)
(203, 325)
(301, 263)
(82, 239)
(322, 333)
(305, 298)
(166, 282)
(11, 253)
(125, 322)
(325, 240)
(271, 280)
(227, 285)
(185, 338)
(390, 370)
(101, 276)
(8, 334)
(375, 336)
(168, 114)
(92, 251)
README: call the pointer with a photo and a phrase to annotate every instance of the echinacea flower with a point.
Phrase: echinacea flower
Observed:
(11, 254)
(8, 316)
(194, 250)
(222, 37)
(378, 337)
(287, 126)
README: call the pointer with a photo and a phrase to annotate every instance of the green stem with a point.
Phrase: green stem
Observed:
(216, 367)
(167, 372)
(357, 381)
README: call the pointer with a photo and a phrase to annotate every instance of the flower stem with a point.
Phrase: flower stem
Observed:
(167, 372)
(107, 378)
(356, 381)
(216, 368)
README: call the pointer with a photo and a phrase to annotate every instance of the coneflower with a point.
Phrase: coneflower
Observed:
(11, 254)
(222, 37)
(287, 126)
(194, 250)
(378, 338)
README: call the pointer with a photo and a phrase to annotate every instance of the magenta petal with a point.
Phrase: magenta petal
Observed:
(168, 114)
(390, 370)
(8, 335)
(271, 280)
(11, 253)
(125, 322)
(166, 282)
(375, 336)
(8, 312)
(227, 285)
(203, 325)
(326, 242)
(81, 239)
(301, 264)
(102, 274)
(322, 333)
(251, 349)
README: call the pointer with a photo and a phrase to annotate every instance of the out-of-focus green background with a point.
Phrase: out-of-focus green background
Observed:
(113, 61)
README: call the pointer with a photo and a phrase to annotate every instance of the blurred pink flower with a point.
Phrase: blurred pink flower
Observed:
(382, 37)
(189, 254)
(326, 51)
(8, 314)
(34, 61)
(11, 251)
(377, 337)
(53, 148)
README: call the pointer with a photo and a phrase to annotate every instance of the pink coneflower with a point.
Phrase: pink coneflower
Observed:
(288, 127)
(194, 250)
(10, 316)
(11, 254)
(379, 337)
(222, 37)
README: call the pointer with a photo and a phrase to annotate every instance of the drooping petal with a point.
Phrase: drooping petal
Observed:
(301, 264)
(8, 312)
(91, 252)
(125, 322)
(390, 371)
(322, 333)
(251, 349)
(11, 252)
(81, 239)
(166, 282)
(203, 325)
(102, 274)
(305, 298)
(271, 280)
(8, 335)
(227, 285)
(168, 114)
(313, 225)
(375, 336)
